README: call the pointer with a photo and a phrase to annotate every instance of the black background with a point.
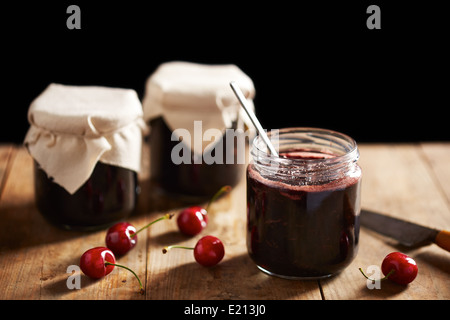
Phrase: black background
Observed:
(313, 64)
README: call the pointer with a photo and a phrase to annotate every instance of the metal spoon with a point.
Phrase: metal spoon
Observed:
(252, 117)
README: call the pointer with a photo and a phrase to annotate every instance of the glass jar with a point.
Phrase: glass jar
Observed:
(303, 206)
(190, 107)
(108, 196)
(191, 180)
(86, 145)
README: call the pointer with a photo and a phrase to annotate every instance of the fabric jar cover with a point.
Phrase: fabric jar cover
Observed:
(74, 127)
(184, 92)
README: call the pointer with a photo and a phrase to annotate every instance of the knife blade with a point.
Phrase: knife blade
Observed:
(406, 233)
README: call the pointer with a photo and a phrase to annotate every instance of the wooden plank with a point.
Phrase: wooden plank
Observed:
(438, 157)
(6, 158)
(396, 181)
(20, 234)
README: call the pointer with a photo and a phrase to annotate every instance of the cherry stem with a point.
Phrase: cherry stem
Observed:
(166, 216)
(166, 249)
(221, 191)
(141, 288)
(373, 281)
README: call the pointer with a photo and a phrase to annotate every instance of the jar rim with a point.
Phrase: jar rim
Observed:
(347, 145)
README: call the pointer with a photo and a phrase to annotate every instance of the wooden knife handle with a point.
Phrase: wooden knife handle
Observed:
(443, 240)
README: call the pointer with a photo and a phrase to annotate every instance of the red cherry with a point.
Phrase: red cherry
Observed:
(397, 267)
(208, 251)
(118, 238)
(192, 221)
(405, 268)
(100, 261)
(92, 262)
(122, 237)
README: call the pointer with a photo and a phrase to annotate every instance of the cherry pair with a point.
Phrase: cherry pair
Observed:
(209, 250)
(120, 238)
(398, 267)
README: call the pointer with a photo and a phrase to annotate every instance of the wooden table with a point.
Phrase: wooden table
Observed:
(411, 181)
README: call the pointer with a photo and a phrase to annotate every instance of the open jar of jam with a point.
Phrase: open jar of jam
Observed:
(303, 206)
(190, 109)
(86, 144)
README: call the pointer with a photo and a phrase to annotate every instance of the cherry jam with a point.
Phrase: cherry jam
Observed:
(190, 180)
(303, 207)
(108, 196)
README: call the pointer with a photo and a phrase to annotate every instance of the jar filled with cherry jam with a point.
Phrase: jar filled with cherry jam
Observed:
(191, 111)
(190, 180)
(108, 196)
(86, 145)
(303, 206)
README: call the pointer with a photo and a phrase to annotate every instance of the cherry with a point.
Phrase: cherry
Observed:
(398, 267)
(93, 262)
(191, 221)
(99, 262)
(122, 237)
(405, 268)
(208, 251)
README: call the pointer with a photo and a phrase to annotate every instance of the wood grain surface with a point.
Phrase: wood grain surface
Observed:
(409, 181)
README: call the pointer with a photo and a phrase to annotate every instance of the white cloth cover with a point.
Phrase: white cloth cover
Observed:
(73, 127)
(184, 92)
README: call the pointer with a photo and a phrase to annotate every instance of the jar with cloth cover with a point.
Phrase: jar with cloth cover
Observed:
(198, 130)
(86, 144)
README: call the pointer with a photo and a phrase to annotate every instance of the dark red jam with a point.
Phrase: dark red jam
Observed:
(192, 180)
(108, 196)
(302, 231)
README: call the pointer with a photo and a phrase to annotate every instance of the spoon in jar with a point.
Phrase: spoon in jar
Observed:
(252, 116)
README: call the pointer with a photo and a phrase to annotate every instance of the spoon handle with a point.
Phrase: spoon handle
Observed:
(252, 117)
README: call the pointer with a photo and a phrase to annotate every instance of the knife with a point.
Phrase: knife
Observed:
(406, 233)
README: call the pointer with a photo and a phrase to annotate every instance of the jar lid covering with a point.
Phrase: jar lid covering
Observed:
(184, 92)
(73, 127)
